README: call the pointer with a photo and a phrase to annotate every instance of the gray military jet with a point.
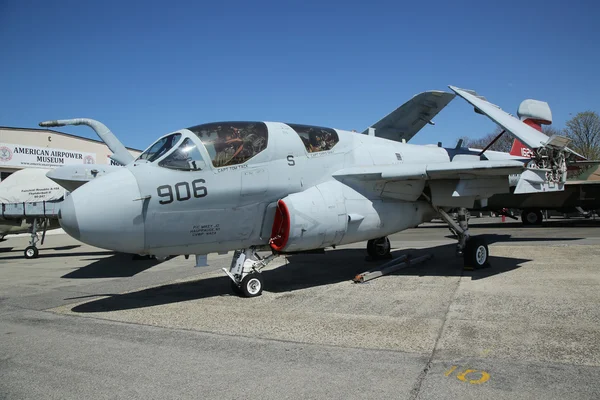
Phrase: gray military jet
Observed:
(290, 188)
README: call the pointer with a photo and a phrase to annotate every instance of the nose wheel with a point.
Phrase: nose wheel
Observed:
(252, 285)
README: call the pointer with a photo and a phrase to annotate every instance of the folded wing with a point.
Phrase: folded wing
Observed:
(404, 122)
(547, 170)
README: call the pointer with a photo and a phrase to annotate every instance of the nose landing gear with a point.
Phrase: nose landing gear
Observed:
(246, 279)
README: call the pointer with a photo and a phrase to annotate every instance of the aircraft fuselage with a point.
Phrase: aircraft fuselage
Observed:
(148, 209)
(223, 193)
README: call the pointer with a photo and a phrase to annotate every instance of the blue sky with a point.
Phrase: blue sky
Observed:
(148, 68)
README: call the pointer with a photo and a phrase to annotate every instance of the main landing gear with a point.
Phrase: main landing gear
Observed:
(474, 250)
(246, 279)
(31, 251)
(379, 249)
(531, 217)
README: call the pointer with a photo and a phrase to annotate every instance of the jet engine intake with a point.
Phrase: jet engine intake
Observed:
(315, 218)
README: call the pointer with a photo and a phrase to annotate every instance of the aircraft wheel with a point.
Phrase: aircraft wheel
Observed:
(252, 285)
(31, 252)
(379, 248)
(476, 253)
(531, 217)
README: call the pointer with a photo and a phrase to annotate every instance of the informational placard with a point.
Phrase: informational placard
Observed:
(29, 185)
(17, 155)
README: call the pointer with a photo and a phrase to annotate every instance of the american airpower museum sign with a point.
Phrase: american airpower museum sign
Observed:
(31, 156)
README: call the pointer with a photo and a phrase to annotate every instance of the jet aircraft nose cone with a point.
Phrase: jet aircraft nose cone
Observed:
(68, 218)
(107, 213)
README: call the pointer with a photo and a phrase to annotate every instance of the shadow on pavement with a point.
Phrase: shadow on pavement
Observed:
(41, 247)
(300, 272)
(548, 223)
(119, 265)
(56, 255)
(505, 238)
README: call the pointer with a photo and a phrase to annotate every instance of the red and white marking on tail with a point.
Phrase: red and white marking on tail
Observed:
(519, 149)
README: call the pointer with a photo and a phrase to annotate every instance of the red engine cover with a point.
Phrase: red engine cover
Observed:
(281, 227)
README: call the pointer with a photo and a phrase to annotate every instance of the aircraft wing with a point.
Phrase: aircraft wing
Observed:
(444, 170)
(451, 184)
(531, 137)
(404, 122)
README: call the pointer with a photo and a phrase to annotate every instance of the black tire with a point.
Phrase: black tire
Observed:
(531, 217)
(370, 250)
(524, 218)
(31, 252)
(252, 285)
(379, 248)
(476, 253)
(235, 288)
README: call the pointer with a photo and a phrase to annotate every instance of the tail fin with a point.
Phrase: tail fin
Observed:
(520, 150)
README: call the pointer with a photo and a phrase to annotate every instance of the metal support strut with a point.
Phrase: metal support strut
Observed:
(34, 235)
(44, 229)
(460, 228)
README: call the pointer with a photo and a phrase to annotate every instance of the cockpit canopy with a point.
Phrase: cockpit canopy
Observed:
(231, 143)
(185, 157)
(316, 138)
(160, 147)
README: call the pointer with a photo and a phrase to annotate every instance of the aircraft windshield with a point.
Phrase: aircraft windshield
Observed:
(231, 143)
(160, 147)
(186, 157)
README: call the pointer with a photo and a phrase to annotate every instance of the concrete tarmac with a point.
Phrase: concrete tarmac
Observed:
(81, 322)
